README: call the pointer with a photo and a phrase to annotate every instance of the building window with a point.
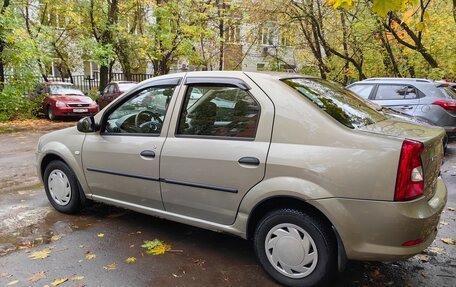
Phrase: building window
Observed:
(233, 33)
(91, 69)
(267, 35)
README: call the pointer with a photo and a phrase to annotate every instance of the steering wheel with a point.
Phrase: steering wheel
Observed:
(144, 119)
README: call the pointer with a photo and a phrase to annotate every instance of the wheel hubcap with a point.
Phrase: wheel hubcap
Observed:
(291, 250)
(59, 187)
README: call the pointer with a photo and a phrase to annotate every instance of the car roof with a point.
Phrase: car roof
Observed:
(396, 80)
(271, 75)
(58, 83)
(122, 82)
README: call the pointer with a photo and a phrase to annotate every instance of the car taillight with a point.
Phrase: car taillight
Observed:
(410, 177)
(448, 105)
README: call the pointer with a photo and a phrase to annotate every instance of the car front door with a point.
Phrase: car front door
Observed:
(121, 161)
(216, 148)
(402, 98)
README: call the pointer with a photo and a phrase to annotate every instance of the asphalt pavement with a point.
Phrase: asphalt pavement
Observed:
(102, 246)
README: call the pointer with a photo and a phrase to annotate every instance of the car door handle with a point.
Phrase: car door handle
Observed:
(406, 108)
(249, 160)
(148, 153)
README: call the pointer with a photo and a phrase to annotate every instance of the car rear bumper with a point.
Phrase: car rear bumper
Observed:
(376, 230)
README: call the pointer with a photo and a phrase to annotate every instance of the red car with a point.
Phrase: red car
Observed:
(113, 90)
(64, 100)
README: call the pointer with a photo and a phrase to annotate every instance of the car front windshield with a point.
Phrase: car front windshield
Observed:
(126, 87)
(340, 103)
(64, 90)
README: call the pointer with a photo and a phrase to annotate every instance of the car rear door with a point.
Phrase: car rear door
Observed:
(401, 97)
(216, 148)
(121, 162)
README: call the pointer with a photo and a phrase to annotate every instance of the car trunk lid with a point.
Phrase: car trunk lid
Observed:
(432, 139)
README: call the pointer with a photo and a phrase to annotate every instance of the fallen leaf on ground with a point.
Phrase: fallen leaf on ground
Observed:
(21, 192)
(57, 282)
(448, 241)
(131, 246)
(90, 256)
(37, 277)
(40, 254)
(442, 222)
(77, 277)
(112, 266)
(56, 237)
(12, 283)
(130, 260)
(450, 208)
(436, 250)
(100, 235)
(199, 262)
(422, 258)
(2, 275)
(156, 247)
(24, 246)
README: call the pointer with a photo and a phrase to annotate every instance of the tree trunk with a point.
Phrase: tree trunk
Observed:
(221, 32)
(454, 10)
(6, 3)
(104, 70)
(389, 51)
(345, 45)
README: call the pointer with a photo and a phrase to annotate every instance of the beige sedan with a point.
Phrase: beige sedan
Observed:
(308, 171)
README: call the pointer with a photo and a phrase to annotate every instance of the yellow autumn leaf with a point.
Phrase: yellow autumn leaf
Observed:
(40, 254)
(57, 282)
(12, 283)
(56, 237)
(77, 277)
(130, 260)
(100, 235)
(346, 4)
(156, 247)
(448, 241)
(90, 256)
(37, 277)
(112, 266)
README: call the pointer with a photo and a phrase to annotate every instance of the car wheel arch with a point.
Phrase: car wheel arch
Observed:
(270, 204)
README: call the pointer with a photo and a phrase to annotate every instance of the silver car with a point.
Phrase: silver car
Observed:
(434, 102)
(305, 169)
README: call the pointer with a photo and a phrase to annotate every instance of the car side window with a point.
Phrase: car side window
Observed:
(362, 90)
(106, 90)
(218, 111)
(143, 113)
(395, 92)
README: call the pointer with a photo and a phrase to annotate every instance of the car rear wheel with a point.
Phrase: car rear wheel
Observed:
(51, 113)
(62, 188)
(296, 249)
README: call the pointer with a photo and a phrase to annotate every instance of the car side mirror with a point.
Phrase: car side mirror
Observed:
(87, 125)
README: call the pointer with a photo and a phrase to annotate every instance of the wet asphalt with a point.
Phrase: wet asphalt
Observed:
(91, 248)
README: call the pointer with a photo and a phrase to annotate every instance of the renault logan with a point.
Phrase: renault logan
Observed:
(305, 169)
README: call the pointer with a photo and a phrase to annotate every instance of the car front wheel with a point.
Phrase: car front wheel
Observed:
(62, 187)
(51, 113)
(296, 249)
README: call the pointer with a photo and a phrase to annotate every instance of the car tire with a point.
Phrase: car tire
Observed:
(50, 113)
(62, 187)
(310, 256)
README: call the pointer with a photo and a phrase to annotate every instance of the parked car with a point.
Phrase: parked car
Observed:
(303, 168)
(64, 100)
(420, 98)
(113, 90)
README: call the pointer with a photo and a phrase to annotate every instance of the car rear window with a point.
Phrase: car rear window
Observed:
(64, 90)
(448, 92)
(341, 104)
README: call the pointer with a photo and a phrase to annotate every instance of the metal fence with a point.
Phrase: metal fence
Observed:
(92, 83)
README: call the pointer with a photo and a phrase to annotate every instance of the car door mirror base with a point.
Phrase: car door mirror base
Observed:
(87, 125)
